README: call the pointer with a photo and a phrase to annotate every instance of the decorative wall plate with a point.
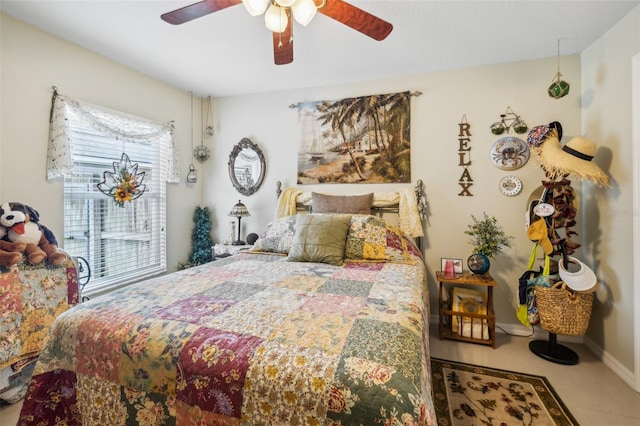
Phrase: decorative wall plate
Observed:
(509, 153)
(510, 186)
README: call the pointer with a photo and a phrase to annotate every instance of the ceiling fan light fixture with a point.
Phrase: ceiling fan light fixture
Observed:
(304, 11)
(276, 18)
(255, 7)
(285, 3)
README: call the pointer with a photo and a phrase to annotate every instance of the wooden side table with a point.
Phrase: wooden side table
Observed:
(481, 325)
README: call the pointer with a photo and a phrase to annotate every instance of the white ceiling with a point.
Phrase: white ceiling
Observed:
(230, 53)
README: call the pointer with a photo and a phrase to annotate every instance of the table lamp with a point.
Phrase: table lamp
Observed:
(239, 211)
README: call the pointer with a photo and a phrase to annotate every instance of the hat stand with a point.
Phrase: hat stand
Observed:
(550, 349)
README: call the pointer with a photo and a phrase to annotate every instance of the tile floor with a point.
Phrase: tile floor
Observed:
(591, 391)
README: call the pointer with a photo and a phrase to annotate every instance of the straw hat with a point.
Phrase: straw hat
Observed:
(574, 158)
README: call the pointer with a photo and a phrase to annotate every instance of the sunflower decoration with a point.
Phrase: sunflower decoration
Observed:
(124, 184)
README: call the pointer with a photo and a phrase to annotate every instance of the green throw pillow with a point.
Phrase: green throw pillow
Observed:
(320, 238)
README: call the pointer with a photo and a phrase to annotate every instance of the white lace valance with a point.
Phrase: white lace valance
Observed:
(117, 125)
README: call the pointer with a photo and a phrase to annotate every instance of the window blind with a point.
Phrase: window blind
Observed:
(121, 244)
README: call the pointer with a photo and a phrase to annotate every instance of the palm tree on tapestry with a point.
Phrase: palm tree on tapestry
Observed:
(334, 114)
(382, 115)
(395, 116)
(364, 108)
(397, 106)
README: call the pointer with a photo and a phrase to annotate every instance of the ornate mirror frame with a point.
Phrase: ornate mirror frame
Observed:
(246, 167)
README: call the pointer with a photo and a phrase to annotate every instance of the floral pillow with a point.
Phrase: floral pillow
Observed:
(366, 238)
(400, 247)
(277, 236)
(371, 238)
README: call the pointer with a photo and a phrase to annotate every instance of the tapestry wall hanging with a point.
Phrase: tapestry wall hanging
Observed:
(355, 140)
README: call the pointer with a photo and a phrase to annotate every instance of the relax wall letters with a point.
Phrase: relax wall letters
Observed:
(464, 156)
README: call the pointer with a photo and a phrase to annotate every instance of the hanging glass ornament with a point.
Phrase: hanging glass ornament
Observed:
(559, 88)
(192, 177)
(201, 152)
(209, 129)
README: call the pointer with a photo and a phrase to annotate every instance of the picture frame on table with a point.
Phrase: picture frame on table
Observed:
(457, 265)
(467, 301)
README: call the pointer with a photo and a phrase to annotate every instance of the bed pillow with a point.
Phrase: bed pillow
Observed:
(320, 238)
(349, 204)
(366, 239)
(400, 247)
(277, 236)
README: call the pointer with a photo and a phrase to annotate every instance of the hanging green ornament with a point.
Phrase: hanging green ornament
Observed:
(559, 88)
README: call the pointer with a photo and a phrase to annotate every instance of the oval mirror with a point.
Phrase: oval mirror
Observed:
(246, 167)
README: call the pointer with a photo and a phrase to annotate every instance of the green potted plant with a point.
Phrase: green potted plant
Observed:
(488, 240)
(201, 241)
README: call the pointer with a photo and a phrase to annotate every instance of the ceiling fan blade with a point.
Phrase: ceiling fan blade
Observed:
(357, 19)
(196, 10)
(283, 45)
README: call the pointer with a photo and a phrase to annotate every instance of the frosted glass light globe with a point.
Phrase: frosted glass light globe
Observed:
(276, 19)
(304, 11)
(255, 7)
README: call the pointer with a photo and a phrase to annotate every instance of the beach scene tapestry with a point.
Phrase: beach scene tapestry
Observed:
(355, 140)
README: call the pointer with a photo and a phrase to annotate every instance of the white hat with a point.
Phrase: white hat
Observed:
(583, 280)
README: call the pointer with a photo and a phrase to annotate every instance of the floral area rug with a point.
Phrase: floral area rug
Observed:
(466, 394)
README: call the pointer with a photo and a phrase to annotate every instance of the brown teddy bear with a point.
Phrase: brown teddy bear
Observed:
(10, 253)
(22, 226)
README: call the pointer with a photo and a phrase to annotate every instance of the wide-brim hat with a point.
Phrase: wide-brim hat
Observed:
(583, 280)
(574, 158)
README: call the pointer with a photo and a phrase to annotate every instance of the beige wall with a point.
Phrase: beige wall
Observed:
(608, 213)
(32, 62)
(482, 94)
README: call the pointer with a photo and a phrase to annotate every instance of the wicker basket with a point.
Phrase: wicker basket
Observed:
(563, 311)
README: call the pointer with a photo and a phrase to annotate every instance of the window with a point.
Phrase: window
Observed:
(121, 244)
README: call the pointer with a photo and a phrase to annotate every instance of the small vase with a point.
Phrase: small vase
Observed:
(478, 263)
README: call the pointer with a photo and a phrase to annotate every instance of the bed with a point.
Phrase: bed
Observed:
(298, 330)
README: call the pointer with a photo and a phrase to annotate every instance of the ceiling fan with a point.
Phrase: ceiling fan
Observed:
(278, 18)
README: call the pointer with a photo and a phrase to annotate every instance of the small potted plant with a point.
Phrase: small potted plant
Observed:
(201, 241)
(488, 240)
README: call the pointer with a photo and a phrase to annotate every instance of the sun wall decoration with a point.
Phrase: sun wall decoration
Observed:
(124, 184)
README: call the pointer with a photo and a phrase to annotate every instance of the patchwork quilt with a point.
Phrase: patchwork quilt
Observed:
(250, 339)
(31, 298)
